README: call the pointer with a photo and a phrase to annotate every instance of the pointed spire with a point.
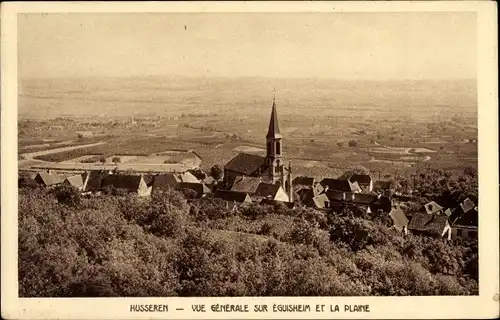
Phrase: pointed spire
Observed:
(274, 128)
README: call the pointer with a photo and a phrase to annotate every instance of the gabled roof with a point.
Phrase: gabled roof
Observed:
(319, 201)
(167, 179)
(149, 179)
(339, 185)
(208, 180)
(267, 190)
(361, 178)
(306, 196)
(318, 188)
(468, 219)
(384, 185)
(197, 187)
(245, 163)
(274, 128)
(95, 178)
(432, 207)
(49, 179)
(232, 196)
(303, 181)
(428, 222)
(398, 217)
(467, 205)
(381, 203)
(122, 181)
(246, 184)
(75, 181)
(188, 177)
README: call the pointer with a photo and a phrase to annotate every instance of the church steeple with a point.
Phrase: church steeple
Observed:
(274, 157)
(274, 128)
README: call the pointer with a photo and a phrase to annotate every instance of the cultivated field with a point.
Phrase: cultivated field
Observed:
(388, 127)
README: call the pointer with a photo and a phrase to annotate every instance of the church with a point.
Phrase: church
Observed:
(270, 169)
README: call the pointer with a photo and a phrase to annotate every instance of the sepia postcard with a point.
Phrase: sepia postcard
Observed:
(244, 160)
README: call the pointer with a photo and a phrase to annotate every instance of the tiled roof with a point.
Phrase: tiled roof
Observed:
(432, 207)
(428, 222)
(49, 179)
(303, 181)
(398, 217)
(149, 179)
(246, 184)
(167, 179)
(197, 187)
(188, 177)
(338, 184)
(122, 181)
(267, 190)
(232, 196)
(468, 219)
(208, 180)
(306, 196)
(245, 163)
(75, 181)
(95, 178)
(360, 178)
(319, 201)
(467, 205)
(381, 203)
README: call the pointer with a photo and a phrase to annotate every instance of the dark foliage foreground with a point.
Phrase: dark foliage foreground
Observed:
(71, 246)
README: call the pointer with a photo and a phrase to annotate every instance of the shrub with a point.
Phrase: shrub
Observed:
(353, 143)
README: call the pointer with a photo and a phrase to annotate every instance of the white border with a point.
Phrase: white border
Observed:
(482, 306)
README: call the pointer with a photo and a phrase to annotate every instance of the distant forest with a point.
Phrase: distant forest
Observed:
(124, 246)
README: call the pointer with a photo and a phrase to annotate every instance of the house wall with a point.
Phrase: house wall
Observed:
(281, 195)
(464, 233)
(143, 189)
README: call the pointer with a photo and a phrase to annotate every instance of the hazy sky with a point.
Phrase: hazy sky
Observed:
(431, 45)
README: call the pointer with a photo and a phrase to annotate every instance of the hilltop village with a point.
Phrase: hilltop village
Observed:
(268, 179)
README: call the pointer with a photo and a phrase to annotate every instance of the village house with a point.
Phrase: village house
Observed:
(433, 208)
(271, 168)
(233, 199)
(166, 180)
(49, 179)
(430, 224)
(127, 183)
(339, 185)
(199, 189)
(270, 192)
(465, 220)
(246, 184)
(93, 180)
(364, 181)
(400, 221)
(303, 182)
(360, 200)
(76, 181)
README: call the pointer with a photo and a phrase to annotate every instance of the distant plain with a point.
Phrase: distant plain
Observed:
(327, 125)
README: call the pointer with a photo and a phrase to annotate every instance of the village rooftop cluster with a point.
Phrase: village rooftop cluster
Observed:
(250, 178)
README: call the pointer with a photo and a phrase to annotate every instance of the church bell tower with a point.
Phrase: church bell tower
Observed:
(274, 154)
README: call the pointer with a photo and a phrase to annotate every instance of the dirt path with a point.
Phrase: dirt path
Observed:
(31, 155)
